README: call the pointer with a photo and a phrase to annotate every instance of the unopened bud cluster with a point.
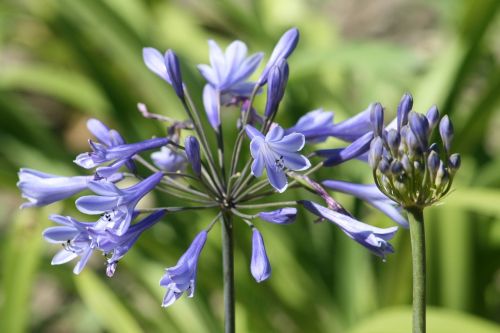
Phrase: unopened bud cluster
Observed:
(406, 167)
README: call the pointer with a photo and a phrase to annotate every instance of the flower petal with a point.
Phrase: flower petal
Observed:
(155, 61)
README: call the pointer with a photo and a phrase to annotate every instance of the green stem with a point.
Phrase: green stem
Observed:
(417, 234)
(228, 273)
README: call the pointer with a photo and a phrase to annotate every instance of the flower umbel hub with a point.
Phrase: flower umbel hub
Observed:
(405, 166)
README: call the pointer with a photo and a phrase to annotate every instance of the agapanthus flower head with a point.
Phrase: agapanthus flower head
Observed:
(259, 265)
(42, 189)
(406, 167)
(119, 203)
(276, 152)
(182, 277)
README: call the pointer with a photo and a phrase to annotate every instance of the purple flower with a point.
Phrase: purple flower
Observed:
(43, 189)
(276, 151)
(228, 71)
(182, 277)
(115, 247)
(282, 50)
(339, 155)
(404, 109)
(226, 77)
(285, 215)
(155, 61)
(169, 159)
(118, 155)
(446, 132)
(278, 78)
(373, 238)
(80, 239)
(75, 238)
(259, 266)
(316, 126)
(192, 147)
(372, 195)
(119, 203)
(174, 72)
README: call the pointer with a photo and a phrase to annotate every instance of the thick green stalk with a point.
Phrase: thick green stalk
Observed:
(417, 235)
(228, 273)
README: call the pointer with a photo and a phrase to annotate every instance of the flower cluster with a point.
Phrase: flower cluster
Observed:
(183, 166)
(406, 167)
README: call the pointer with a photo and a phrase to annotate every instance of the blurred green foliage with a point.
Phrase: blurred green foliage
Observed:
(63, 61)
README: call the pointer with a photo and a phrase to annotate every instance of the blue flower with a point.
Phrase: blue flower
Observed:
(43, 189)
(192, 147)
(373, 238)
(316, 126)
(276, 151)
(174, 72)
(115, 247)
(75, 238)
(259, 265)
(227, 77)
(169, 159)
(282, 50)
(182, 277)
(372, 195)
(278, 79)
(285, 215)
(119, 203)
(229, 71)
(81, 239)
(155, 61)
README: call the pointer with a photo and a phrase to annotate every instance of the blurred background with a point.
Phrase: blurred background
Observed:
(62, 62)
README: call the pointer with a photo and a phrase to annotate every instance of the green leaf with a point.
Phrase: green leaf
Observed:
(398, 320)
(104, 304)
(20, 259)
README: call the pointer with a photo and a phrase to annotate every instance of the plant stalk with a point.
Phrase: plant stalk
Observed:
(417, 235)
(228, 273)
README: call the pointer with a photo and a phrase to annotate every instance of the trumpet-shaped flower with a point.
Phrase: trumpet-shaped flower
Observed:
(259, 266)
(372, 195)
(169, 159)
(276, 152)
(182, 277)
(119, 202)
(373, 238)
(43, 189)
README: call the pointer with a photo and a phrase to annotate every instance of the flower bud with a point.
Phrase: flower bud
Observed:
(384, 166)
(433, 163)
(174, 72)
(420, 127)
(278, 78)
(393, 140)
(259, 266)
(407, 166)
(193, 154)
(376, 151)
(280, 216)
(412, 144)
(446, 132)
(454, 162)
(396, 168)
(377, 118)
(433, 147)
(432, 117)
(404, 108)
(441, 175)
(282, 50)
